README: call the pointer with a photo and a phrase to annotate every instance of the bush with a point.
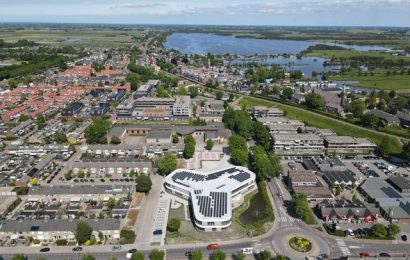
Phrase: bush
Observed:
(115, 140)
(156, 254)
(173, 225)
(61, 242)
(189, 148)
(379, 230)
(218, 255)
(209, 144)
(127, 236)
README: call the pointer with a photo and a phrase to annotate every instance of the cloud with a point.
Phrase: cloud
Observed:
(138, 5)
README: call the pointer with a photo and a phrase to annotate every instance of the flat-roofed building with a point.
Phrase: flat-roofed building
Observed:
(145, 90)
(263, 111)
(348, 144)
(297, 144)
(182, 106)
(283, 129)
(302, 178)
(211, 195)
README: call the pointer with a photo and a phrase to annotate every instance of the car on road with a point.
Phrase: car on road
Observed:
(350, 232)
(77, 249)
(188, 253)
(322, 256)
(247, 251)
(385, 255)
(364, 254)
(45, 249)
(404, 238)
(130, 252)
(116, 247)
(157, 232)
(213, 246)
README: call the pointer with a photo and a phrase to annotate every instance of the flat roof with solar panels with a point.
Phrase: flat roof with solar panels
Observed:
(210, 194)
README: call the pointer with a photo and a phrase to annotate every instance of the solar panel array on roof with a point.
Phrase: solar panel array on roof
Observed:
(216, 175)
(182, 175)
(214, 205)
(339, 176)
(241, 176)
(33, 172)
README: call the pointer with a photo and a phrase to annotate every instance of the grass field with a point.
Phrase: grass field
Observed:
(352, 53)
(316, 120)
(79, 37)
(401, 83)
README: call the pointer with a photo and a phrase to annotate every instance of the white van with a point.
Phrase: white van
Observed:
(247, 251)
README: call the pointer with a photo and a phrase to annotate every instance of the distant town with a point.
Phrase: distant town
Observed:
(118, 145)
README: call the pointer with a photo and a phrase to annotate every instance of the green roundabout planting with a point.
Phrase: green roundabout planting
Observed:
(300, 244)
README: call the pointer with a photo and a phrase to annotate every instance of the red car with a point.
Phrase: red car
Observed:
(364, 254)
(213, 246)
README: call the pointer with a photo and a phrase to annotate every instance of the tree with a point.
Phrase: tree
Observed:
(370, 120)
(18, 257)
(264, 255)
(189, 148)
(237, 142)
(167, 164)
(127, 236)
(229, 118)
(300, 207)
(88, 257)
(83, 232)
(239, 157)
(260, 163)
(175, 139)
(196, 255)
(156, 254)
(193, 91)
(115, 140)
(261, 135)
(338, 190)
(243, 125)
(239, 256)
(95, 132)
(60, 137)
(357, 107)
(174, 224)
(143, 183)
(40, 122)
(209, 144)
(383, 147)
(314, 101)
(287, 93)
(219, 95)
(406, 151)
(281, 257)
(137, 256)
(218, 255)
(394, 229)
(372, 100)
(379, 230)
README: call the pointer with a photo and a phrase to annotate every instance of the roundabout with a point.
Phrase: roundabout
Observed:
(298, 243)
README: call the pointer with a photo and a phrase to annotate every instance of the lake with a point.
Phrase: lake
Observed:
(203, 43)
(305, 64)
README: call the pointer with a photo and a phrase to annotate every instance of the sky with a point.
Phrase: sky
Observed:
(214, 12)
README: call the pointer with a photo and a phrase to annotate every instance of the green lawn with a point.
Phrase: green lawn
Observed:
(400, 83)
(352, 53)
(313, 119)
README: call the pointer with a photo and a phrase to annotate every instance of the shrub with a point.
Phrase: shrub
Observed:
(127, 236)
(173, 225)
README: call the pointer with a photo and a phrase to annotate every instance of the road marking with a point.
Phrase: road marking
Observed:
(342, 245)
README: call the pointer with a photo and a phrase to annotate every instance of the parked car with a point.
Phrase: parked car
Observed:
(157, 232)
(116, 247)
(213, 246)
(130, 252)
(404, 238)
(45, 249)
(364, 254)
(77, 249)
(385, 254)
(247, 251)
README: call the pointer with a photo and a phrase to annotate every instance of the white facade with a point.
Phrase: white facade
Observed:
(210, 194)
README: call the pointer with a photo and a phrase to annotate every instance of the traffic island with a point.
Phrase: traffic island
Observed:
(300, 244)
